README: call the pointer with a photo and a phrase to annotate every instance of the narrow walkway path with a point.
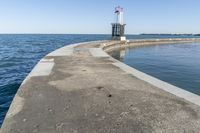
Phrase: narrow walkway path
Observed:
(79, 90)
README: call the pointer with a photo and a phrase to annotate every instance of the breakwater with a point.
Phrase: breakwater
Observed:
(80, 88)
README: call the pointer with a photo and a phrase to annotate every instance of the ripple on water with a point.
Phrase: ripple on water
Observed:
(20, 53)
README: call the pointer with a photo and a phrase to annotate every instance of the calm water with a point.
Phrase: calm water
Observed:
(178, 64)
(20, 53)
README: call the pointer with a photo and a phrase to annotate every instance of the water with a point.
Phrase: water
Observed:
(177, 64)
(20, 53)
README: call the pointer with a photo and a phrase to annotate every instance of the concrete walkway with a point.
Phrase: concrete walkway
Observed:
(80, 89)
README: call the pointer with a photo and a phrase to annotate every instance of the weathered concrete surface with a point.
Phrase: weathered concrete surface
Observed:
(84, 93)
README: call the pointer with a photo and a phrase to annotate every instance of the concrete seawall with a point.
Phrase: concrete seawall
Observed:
(80, 88)
(148, 42)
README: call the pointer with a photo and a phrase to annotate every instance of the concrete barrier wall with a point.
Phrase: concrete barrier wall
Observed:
(147, 42)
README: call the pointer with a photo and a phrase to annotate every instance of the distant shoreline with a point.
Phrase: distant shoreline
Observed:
(171, 34)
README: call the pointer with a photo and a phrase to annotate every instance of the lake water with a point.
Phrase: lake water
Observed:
(20, 53)
(177, 64)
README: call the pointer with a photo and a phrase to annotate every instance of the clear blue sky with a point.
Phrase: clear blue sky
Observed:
(95, 16)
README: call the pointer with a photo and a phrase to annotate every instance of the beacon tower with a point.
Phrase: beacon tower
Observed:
(118, 27)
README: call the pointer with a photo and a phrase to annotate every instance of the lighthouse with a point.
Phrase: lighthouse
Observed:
(118, 27)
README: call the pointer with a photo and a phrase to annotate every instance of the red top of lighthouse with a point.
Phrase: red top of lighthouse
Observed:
(119, 9)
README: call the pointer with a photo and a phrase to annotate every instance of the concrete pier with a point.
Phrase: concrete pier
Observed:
(81, 89)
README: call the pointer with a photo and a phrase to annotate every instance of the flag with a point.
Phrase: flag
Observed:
(118, 9)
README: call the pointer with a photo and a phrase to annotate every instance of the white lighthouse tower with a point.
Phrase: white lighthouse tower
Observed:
(118, 27)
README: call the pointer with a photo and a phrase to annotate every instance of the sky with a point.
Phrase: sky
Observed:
(96, 16)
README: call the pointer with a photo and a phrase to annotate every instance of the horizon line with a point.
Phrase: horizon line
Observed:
(100, 33)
